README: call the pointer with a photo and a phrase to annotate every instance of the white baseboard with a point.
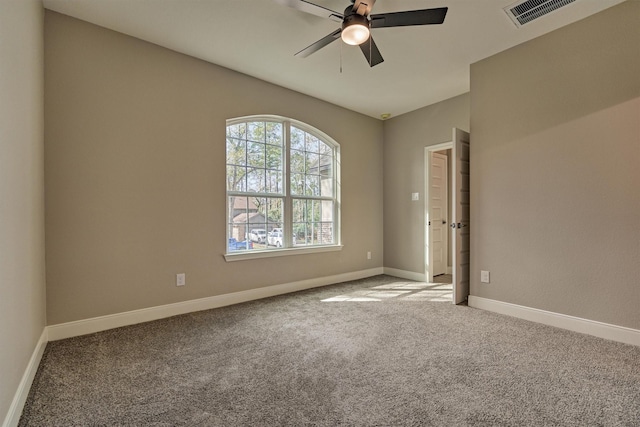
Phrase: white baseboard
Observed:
(576, 324)
(97, 324)
(19, 399)
(404, 274)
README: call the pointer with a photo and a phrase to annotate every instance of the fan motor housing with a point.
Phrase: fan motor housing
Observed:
(353, 18)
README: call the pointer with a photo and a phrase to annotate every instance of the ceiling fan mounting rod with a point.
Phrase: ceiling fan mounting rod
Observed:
(361, 7)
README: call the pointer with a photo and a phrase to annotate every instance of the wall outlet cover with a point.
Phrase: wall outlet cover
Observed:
(181, 279)
(484, 276)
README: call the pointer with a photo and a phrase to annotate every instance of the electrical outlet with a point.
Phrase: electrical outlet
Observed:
(484, 276)
(369, 255)
(181, 279)
(415, 196)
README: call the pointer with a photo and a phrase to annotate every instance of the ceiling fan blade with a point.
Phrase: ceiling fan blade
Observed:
(410, 17)
(363, 7)
(314, 9)
(319, 44)
(371, 52)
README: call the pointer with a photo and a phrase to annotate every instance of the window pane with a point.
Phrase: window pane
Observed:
(297, 184)
(274, 182)
(256, 131)
(255, 154)
(236, 178)
(235, 244)
(256, 180)
(300, 222)
(297, 139)
(326, 186)
(326, 209)
(312, 185)
(313, 164)
(237, 131)
(274, 157)
(274, 212)
(324, 233)
(312, 143)
(296, 159)
(239, 210)
(326, 166)
(274, 133)
(299, 234)
(325, 149)
(299, 209)
(236, 152)
(313, 210)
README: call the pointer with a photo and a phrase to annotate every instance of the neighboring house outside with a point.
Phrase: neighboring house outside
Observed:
(244, 222)
(243, 205)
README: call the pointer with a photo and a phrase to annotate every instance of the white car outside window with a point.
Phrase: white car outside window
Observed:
(258, 235)
(275, 237)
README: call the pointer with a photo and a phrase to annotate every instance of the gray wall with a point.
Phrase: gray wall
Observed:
(405, 138)
(555, 170)
(22, 292)
(135, 172)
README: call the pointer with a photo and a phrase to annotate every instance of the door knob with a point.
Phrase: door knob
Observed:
(444, 222)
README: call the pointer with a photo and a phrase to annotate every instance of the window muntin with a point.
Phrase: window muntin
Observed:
(281, 185)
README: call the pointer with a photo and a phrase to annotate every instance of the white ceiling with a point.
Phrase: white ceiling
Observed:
(423, 64)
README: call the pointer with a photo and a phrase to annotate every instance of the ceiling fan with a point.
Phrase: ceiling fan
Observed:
(357, 22)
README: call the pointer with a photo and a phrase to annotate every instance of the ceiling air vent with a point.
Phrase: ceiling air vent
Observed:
(529, 10)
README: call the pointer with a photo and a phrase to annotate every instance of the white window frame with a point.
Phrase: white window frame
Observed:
(287, 225)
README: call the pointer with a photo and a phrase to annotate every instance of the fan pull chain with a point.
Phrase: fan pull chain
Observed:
(341, 43)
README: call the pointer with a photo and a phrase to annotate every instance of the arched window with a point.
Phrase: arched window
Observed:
(282, 186)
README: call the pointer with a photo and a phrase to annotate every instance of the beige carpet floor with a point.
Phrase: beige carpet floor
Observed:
(374, 352)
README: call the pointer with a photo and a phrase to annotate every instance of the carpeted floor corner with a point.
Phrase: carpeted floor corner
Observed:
(374, 352)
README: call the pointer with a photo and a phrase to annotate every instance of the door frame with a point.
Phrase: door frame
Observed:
(427, 185)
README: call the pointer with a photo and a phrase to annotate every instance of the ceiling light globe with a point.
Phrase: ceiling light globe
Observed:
(355, 34)
(355, 30)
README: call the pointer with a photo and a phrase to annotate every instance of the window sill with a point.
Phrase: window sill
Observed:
(273, 253)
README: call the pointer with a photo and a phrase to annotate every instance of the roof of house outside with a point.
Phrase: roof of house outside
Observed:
(253, 218)
(244, 203)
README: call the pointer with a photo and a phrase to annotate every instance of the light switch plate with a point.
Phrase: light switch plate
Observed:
(415, 196)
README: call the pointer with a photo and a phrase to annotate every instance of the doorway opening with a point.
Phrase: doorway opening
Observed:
(446, 213)
(438, 211)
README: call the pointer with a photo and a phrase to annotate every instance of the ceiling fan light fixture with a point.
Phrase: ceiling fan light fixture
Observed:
(355, 30)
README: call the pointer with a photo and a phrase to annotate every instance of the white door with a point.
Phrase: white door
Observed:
(438, 214)
(460, 215)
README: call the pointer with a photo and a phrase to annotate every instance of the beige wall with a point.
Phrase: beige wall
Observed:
(22, 292)
(405, 138)
(135, 172)
(555, 170)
